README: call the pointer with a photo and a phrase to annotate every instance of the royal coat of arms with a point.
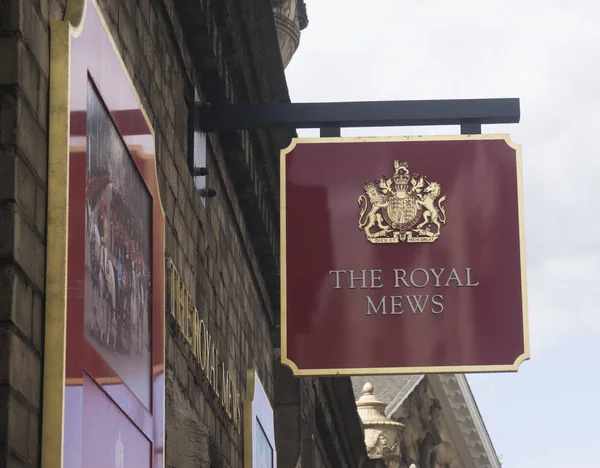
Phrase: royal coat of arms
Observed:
(404, 207)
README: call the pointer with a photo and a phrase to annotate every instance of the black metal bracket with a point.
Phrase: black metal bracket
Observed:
(330, 117)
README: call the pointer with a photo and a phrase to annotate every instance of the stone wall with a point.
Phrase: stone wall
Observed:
(24, 71)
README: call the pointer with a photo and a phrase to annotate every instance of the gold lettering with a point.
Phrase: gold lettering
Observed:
(216, 381)
(171, 283)
(235, 396)
(225, 389)
(238, 411)
(194, 329)
(230, 393)
(195, 339)
(191, 313)
(233, 403)
(202, 345)
(213, 369)
(210, 370)
(180, 303)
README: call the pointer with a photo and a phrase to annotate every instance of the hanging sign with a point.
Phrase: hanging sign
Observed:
(402, 255)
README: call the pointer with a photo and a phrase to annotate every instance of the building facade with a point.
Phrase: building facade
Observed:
(220, 234)
(422, 421)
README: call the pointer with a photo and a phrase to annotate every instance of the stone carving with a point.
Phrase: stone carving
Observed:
(381, 442)
(290, 19)
(383, 437)
(432, 435)
(433, 451)
(444, 456)
(423, 436)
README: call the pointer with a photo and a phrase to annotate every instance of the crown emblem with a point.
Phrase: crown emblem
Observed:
(402, 207)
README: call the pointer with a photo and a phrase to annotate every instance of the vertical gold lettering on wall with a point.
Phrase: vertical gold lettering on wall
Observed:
(202, 345)
(181, 313)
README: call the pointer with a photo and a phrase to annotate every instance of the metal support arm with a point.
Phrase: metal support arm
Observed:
(470, 114)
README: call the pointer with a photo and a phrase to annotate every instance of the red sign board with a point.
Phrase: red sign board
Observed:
(402, 255)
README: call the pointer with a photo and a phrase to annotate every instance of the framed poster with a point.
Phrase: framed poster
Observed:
(104, 369)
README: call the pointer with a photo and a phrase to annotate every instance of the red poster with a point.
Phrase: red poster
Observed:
(402, 255)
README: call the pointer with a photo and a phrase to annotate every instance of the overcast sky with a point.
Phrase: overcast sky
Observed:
(547, 53)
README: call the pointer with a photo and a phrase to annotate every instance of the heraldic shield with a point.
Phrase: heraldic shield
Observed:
(403, 207)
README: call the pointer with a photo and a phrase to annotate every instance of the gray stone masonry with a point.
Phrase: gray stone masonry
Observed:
(24, 68)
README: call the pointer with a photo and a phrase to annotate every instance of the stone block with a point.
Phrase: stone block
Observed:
(7, 174)
(129, 36)
(13, 462)
(9, 16)
(143, 72)
(4, 357)
(18, 426)
(33, 444)
(42, 102)
(19, 241)
(8, 117)
(181, 193)
(29, 76)
(7, 231)
(8, 52)
(40, 211)
(22, 307)
(130, 6)
(44, 10)
(31, 139)
(144, 9)
(7, 280)
(168, 202)
(36, 34)
(25, 188)
(170, 171)
(37, 325)
(25, 370)
(145, 38)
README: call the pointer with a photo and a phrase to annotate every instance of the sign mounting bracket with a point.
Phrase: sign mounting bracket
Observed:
(330, 117)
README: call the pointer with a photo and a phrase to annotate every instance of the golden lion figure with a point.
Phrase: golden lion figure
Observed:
(368, 219)
(431, 213)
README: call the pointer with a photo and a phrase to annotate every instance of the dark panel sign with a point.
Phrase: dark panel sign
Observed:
(402, 255)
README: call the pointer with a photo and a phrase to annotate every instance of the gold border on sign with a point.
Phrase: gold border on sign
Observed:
(57, 239)
(401, 370)
(61, 34)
